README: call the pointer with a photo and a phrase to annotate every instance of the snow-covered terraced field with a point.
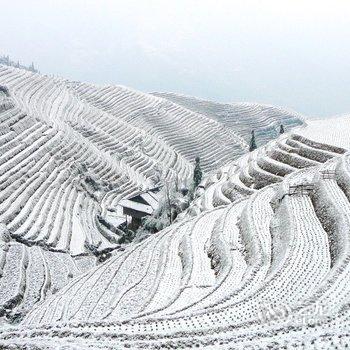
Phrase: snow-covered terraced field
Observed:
(261, 260)
(267, 165)
(332, 131)
(28, 275)
(70, 151)
(242, 117)
(268, 271)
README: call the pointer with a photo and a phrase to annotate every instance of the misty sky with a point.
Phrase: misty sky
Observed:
(290, 53)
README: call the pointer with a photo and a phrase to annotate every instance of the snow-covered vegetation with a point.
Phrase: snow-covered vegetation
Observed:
(260, 259)
(5, 60)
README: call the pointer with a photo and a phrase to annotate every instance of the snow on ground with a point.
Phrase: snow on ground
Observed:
(78, 236)
(279, 282)
(261, 259)
(69, 152)
(333, 131)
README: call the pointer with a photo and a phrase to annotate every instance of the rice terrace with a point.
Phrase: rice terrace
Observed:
(160, 220)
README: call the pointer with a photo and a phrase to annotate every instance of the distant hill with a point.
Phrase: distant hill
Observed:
(265, 120)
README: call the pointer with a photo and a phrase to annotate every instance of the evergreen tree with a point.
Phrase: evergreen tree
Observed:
(197, 173)
(281, 129)
(252, 145)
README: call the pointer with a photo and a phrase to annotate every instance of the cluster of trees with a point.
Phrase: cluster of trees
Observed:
(8, 62)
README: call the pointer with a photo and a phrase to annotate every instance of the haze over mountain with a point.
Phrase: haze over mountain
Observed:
(293, 54)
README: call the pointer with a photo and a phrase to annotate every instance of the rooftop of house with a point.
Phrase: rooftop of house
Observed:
(145, 202)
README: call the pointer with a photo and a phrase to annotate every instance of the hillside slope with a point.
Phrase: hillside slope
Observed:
(268, 165)
(70, 151)
(242, 117)
(28, 275)
(268, 271)
(260, 260)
